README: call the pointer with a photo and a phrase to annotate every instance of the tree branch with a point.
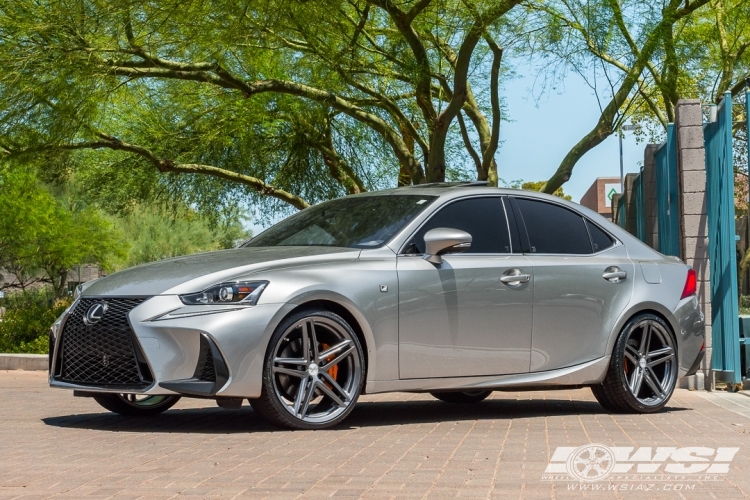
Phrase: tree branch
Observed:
(166, 166)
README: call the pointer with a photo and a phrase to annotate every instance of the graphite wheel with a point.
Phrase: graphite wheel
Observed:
(136, 405)
(462, 397)
(313, 372)
(643, 369)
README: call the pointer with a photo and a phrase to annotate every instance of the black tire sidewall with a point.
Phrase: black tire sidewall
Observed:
(461, 397)
(115, 403)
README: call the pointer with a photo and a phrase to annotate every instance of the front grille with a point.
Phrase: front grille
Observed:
(103, 353)
(205, 369)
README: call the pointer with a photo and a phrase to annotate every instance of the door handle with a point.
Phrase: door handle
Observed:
(614, 274)
(514, 277)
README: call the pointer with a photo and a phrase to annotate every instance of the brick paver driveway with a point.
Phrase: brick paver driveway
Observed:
(393, 445)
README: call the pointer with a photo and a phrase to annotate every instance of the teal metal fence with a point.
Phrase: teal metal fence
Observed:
(666, 195)
(721, 246)
(622, 212)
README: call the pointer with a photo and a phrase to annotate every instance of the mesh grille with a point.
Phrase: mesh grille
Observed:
(205, 370)
(103, 353)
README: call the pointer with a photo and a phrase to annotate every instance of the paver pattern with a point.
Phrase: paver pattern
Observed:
(53, 445)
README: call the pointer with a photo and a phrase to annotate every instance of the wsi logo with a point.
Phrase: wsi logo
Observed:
(595, 462)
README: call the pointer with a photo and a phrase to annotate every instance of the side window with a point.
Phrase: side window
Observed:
(483, 218)
(599, 239)
(554, 229)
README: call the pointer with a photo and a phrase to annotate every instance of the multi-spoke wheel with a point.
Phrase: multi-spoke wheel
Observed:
(643, 369)
(462, 397)
(313, 373)
(136, 404)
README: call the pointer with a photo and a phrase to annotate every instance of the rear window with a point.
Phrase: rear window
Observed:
(554, 229)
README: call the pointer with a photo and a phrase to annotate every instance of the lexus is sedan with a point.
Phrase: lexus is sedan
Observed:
(454, 289)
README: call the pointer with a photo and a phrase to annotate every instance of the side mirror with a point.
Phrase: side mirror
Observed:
(442, 240)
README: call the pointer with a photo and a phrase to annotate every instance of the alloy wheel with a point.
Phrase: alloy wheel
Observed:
(316, 369)
(649, 363)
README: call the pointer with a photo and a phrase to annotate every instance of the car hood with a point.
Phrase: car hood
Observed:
(193, 273)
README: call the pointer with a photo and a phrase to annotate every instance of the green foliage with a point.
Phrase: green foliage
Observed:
(42, 236)
(25, 325)
(537, 186)
(266, 104)
(532, 186)
(154, 233)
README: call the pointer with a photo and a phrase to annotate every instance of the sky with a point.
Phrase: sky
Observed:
(540, 133)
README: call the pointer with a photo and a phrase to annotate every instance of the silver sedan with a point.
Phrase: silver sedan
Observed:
(453, 289)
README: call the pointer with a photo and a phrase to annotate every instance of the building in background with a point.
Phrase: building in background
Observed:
(599, 196)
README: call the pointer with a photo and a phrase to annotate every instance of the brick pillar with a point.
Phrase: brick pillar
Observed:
(691, 177)
(650, 194)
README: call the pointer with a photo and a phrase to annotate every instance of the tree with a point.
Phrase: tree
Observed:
(154, 233)
(634, 44)
(294, 101)
(41, 238)
(537, 186)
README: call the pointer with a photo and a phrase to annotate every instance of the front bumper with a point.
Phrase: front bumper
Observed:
(171, 346)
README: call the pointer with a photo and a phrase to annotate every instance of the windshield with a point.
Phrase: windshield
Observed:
(354, 222)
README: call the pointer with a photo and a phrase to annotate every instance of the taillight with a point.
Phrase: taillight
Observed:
(690, 284)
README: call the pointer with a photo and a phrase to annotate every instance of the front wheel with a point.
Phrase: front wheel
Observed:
(462, 397)
(313, 372)
(643, 369)
(136, 405)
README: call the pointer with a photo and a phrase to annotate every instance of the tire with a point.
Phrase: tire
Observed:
(312, 383)
(133, 405)
(643, 369)
(463, 397)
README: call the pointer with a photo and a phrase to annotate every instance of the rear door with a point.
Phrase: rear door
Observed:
(583, 281)
(464, 317)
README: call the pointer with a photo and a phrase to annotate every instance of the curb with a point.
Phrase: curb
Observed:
(36, 362)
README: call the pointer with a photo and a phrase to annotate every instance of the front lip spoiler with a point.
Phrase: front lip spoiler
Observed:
(195, 387)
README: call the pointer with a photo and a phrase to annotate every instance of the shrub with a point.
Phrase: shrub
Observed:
(28, 317)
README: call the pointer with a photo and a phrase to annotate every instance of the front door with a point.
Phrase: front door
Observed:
(465, 317)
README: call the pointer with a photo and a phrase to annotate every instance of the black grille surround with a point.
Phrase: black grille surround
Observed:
(205, 369)
(104, 354)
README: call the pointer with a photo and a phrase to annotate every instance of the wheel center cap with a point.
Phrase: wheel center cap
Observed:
(312, 370)
(642, 362)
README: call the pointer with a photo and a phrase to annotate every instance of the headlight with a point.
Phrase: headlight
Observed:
(242, 292)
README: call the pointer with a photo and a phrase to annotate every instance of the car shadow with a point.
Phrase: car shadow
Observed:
(365, 414)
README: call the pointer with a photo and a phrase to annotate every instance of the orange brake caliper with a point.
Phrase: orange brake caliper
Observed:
(334, 370)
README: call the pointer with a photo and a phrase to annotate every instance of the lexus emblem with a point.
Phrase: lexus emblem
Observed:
(95, 313)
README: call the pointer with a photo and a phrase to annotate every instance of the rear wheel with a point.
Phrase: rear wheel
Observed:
(313, 372)
(462, 397)
(643, 369)
(136, 405)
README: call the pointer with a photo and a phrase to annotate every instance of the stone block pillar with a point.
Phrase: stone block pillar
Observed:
(691, 176)
(649, 195)
(630, 210)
